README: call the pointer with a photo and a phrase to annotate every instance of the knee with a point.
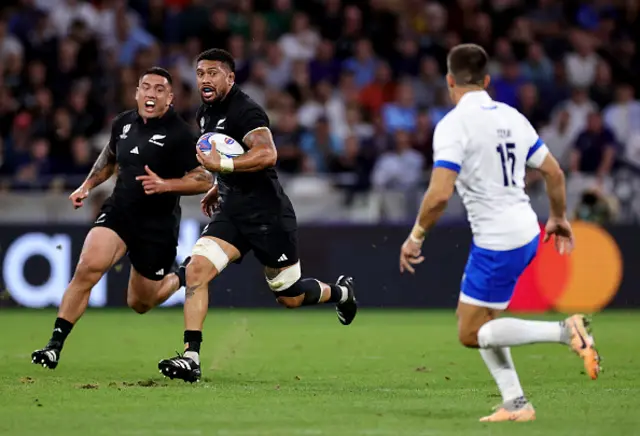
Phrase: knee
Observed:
(199, 271)
(89, 270)
(468, 337)
(290, 302)
(138, 305)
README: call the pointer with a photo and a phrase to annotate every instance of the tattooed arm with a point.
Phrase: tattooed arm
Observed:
(103, 168)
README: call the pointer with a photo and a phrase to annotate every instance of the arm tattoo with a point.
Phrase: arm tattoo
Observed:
(190, 291)
(200, 175)
(103, 167)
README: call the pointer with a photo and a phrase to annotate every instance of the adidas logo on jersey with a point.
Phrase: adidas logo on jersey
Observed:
(160, 272)
(135, 150)
(283, 258)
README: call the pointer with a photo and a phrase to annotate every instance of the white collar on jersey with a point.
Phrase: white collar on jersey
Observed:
(478, 97)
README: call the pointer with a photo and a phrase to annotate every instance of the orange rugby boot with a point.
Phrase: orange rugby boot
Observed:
(583, 345)
(518, 410)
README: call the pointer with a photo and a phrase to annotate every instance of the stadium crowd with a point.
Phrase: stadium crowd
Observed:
(353, 88)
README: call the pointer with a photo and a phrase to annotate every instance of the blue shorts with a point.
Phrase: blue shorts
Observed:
(491, 276)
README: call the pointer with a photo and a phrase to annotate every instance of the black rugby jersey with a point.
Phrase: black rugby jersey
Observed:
(236, 116)
(166, 144)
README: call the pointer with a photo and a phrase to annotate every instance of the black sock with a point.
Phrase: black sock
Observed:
(336, 294)
(61, 329)
(193, 339)
(312, 290)
(181, 272)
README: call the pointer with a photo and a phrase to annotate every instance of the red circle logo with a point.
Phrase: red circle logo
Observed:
(585, 281)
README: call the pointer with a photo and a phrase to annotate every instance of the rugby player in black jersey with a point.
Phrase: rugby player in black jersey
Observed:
(253, 214)
(152, 149)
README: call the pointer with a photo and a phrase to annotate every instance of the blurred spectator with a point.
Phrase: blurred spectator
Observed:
(623, 115)
(302, 42)
(64, 14)
(39, 164)
(581, 64)
(407, 63)
(363, 64)
(537, 67)
(423, 137)
(278, 67)
(579, 107)
(323, 104)
(287, 135)
(379, 92)
(530, 106)
(402, 113)
(601, 91)
(9, 44)
(594, 152)
(354, 165)
(428, 83)
(325, 66)
(558, 138)
(279, 19)
(505, 87)
(321, 146)
(256, 86)
(81, 157)
(400, 169)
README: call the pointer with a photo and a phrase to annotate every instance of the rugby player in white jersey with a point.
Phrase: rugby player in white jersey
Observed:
(483, 147)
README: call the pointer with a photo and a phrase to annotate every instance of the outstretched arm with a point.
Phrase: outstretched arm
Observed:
(196, 181)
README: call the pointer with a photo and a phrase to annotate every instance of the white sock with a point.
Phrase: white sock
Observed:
(193, 356)
(501, 366)
(345, 294)
(508, 332)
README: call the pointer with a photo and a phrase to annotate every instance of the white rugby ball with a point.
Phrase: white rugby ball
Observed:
(224, 145)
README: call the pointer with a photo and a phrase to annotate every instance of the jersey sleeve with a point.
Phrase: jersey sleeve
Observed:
(116, 128)
(448, 148)
(250, 120)
(538, 150)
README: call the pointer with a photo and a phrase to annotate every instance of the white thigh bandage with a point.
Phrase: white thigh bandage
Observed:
(207, 247)
(285, 279)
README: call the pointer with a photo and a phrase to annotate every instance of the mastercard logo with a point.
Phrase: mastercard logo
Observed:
(585, 281)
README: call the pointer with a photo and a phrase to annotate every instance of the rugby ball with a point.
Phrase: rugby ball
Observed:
(223, 144)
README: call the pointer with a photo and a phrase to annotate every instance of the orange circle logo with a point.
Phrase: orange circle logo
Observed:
(585, 281)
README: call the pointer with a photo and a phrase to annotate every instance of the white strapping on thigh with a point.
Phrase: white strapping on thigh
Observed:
(475, 302)
(207, 247)
(285, 278)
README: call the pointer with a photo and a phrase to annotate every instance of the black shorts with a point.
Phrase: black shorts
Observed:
(272, 238)
(151, 248)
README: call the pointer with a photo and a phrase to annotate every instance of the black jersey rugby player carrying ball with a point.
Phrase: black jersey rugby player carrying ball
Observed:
(249, 212)
(152, 149)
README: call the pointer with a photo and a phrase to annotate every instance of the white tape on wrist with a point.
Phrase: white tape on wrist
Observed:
(226, 165)
(415, 240)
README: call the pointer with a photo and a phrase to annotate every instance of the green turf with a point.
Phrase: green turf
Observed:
(301, 373)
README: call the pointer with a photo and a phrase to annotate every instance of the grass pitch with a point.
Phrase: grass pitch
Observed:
(301, 373)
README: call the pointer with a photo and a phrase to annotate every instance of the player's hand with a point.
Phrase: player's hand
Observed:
(211, 161)
(78, 196)
(410, 255)
(561, 229)
(210, 201)
(152, 183)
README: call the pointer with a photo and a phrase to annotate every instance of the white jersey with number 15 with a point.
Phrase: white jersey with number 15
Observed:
(490, 144)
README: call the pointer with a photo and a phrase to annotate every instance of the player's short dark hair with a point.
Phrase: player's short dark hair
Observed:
(468, 64)
(220, 55)
(158, 71)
